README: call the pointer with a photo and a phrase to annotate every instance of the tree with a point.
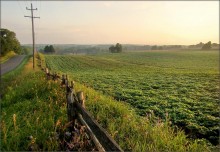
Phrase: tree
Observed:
(9, 42)
(112, 49)
(49, 49)
(115, 49)
(160, 48)
(154, 47)
(26, 50)
(118, 48)
(207, 46)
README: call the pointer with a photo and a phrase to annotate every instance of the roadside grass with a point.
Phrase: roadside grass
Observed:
(32, 110)
(7, 56)
(7, 78)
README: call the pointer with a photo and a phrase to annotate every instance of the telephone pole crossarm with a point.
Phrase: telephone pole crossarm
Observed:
(31, 16)
(31, 9)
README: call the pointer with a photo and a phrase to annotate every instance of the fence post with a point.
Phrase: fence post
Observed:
(71, 109)
(63, 80)
(47, 70)
(66, 80)
(54, 76)
(47, 73)
(72, 84)
(81, 98)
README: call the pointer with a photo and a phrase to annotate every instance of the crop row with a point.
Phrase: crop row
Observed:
(181, 84)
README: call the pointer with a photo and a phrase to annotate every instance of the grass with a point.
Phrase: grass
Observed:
(7, 56)
(135, 133)
(30, 110)
(7, 78)
(33, 112)
(181, 83)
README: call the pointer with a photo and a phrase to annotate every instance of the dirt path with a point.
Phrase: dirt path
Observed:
(11, 64)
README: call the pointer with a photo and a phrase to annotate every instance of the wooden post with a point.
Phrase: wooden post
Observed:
(101, 134)
(71, 109)
(72, 84)
(32, 19)
(47, 70)
(42, 68)
(66, 81)
(95, 140)
(81, 98)
(47, 73)
(54, 76)
(63, 80)
(66, 77)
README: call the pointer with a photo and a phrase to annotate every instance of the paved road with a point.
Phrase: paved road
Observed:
(11, 63)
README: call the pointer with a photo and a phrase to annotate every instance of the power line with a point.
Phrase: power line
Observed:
(38, 23)
(20, 7)
(32, 19)
(26, 2)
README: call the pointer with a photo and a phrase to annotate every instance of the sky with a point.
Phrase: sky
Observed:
(110, 22)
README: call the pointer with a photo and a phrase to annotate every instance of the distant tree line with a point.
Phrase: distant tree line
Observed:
(49, 49)
(204, 46)
(115, 49)
(155, 47)
(164, 47)
(207, 46)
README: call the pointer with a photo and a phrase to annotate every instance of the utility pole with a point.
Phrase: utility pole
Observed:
(32, 19)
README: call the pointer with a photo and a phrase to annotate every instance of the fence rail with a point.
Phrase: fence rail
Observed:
(76, 110)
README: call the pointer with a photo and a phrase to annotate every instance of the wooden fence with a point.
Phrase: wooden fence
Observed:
(76, 110)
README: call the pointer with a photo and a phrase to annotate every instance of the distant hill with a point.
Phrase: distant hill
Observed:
(104, 48)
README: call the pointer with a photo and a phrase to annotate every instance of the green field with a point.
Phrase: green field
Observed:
(182, 84)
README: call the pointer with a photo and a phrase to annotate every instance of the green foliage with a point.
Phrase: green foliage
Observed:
(32, 107)
(7, 78)
(9, 42)
(32, 112)
(155, 47)
(184, 84)
(135, 133)
(207, 46)
(26, 50)
(49, 49)
(112, 49)
(115, 49)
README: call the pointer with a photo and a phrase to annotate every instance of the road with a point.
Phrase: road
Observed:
(11, 63)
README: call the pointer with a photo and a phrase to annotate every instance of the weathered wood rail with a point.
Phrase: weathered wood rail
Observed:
(76, 110)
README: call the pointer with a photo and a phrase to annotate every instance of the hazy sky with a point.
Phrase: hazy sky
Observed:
(98, 22)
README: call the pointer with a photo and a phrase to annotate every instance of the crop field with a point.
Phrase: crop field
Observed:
(181, 84)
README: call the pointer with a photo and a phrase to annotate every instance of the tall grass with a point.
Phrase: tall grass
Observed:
(136, 133)
(30, 110)
(32, 106)
(7, 78)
